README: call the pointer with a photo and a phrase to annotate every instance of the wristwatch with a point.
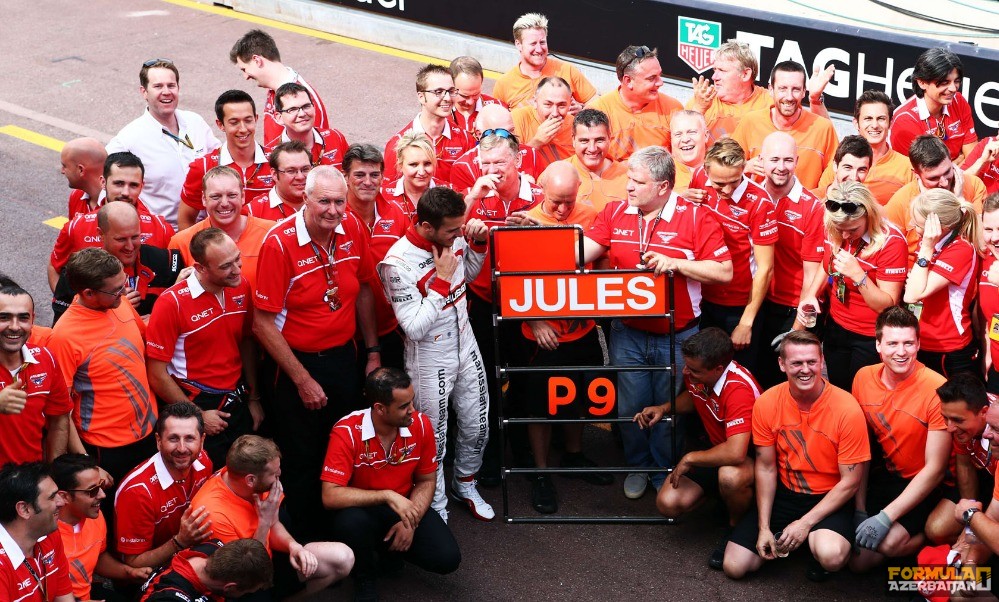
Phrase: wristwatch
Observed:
(968, 514)
(922, 262)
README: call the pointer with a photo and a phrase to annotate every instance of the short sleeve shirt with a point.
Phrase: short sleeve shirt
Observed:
(232, 517)
(527, 122)
(723, 117)
(390, 225)
(891, 172)
(466, 170)
(48, 396)
(801, 237)
(272, 128)
(249, 243)
(912, 119)
(815, 136)
(635, 129)
(451, 144)
(945, 321)
(81, 233)
(598, 190)
(989, 173)
(48, 563)
(515, 89)
(257, 177)
(83, 543)
(328, 147)
(727, 408)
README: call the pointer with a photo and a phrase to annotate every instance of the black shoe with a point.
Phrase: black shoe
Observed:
(365, 591)
(488, 480)
(390, 564)
(717, 558)
(816, 573)
(543, 496)
(578, 460)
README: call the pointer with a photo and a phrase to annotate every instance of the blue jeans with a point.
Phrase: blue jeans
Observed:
(651, 448)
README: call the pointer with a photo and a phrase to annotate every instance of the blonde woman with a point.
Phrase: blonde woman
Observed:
(943, 283)
(864, 273)
(416, 163)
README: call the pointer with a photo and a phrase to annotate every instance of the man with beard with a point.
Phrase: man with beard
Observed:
(154, 518)
(84, 532)
(297, 112)
(243, 501)
(381, 490)
(33, 565)
(291, 164)
(199, 345)
(814, 135)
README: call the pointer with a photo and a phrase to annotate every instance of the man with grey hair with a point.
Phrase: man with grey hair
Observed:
(495, 119)
(515, 88)
(689, 135)
(314, 287)
(639, 115)
(655, 229)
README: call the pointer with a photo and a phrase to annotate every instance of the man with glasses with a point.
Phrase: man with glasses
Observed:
(314, 289)
(236, 116)
(297, 113)
(99, 339)
(934, 168)
(436, 94)
(33, 565)
(257, 56)
(166, 138)
(494, 119)
(544, 126)
(84, 531)
(639, 115)
(515, 88)
(602, 179)
(153, 515)
(290, 163)
(149, 269)
(34, 400)
(469, 99)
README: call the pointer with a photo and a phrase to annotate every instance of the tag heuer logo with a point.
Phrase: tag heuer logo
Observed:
(697, 41)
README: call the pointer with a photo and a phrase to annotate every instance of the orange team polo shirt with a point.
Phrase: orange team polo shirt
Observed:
(631, 130)
(249, 243)
(811, 445)
(899, 208)
(526, 121)
(83, 543)
(891, 172)
(596, 191)
(901, 418)
(515, 89)
(815, 136)
(684, 174)
(232, 517)
(101, 354)
(723, 117)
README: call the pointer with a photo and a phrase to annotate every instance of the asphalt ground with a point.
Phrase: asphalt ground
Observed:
(73, 68)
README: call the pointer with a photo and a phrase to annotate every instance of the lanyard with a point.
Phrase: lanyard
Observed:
(186, 140)
(332, 294)
(322, 151)
(950, 239)
(38, 579)
(643, 243)
(388, 456)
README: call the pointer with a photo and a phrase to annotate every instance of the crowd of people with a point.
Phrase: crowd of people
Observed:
(228, 308)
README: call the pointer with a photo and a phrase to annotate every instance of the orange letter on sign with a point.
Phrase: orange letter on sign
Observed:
(554, 399)
(602, 404)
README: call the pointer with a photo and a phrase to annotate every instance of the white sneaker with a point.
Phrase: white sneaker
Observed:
(466, 492)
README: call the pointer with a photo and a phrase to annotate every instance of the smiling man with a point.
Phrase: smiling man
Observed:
(545, 126)
(602, 179)
(296, 111)
(689, 139)
(291, 164)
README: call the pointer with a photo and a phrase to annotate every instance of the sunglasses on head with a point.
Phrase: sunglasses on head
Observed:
(847, 207)
(499, 132)
(152, 62)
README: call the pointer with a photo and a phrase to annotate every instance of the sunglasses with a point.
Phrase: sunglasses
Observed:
(92, 492)
(499, 132)
(847, 207)
(152, 62)
(640, 53)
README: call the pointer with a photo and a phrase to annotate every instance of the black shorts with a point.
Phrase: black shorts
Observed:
(706, 478)
(788, 507)
(533, 389)
(986, 485)
(884, 486)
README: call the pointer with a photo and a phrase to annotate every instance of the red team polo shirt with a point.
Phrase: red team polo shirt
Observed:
(199, 335)
(493, 212)
(48, 395)
(468, 123)
(79, 203)
(149, 503)
(355, 456)
(257, 178)
(452, 143)
(801, 235)
(988, 304)
(887, 264)
(272, 128)
(945, 322)
(727, 408)
(81, 233)
(17, 581)
(466, 169)
(989, 173)
(686, 231)
(747, 220)
(328, 147)
(390, 225)
(291, 282)
(912, 120)
(395, 192)
(270, 206)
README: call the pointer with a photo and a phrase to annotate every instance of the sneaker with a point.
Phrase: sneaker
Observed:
(463, 490)
(543, 496)
(578, 460)
(717, 557)
(635, 484)
(365, 591)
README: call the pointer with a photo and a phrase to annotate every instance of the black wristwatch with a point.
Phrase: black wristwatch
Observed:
(922, 262)
(374, 349)
(968, 514)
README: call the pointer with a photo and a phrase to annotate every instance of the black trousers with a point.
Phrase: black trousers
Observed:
(727, 318)
(118, 462)
(303, 434)
(949, 363)
(240, 423)
(433, 549)
(772, 320)
(846, 352)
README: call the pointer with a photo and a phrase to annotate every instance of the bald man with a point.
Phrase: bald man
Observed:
(558, 343)
(149, 270)
(82, 162)
(466, 170)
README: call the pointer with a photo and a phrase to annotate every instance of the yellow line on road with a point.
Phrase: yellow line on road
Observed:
(403, 54)
(33, 137)
(57, 222)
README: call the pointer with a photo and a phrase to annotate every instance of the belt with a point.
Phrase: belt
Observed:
(324, 352)
(689, 325)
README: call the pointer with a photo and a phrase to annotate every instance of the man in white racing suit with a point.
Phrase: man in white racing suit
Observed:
(424, 275)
